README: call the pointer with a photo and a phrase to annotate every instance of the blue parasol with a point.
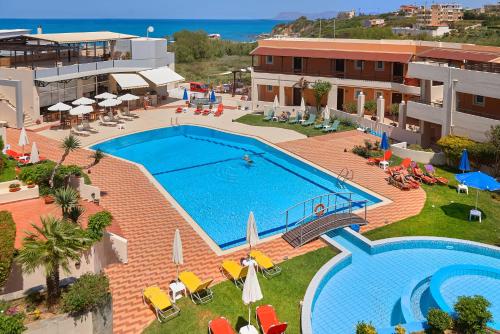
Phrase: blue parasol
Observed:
(185, 96)
(384, 144)
(464, 165)
(478, 180)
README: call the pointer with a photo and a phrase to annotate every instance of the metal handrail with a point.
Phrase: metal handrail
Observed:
(316, 197)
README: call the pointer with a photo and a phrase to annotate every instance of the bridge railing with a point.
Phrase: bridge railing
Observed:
(321, 205)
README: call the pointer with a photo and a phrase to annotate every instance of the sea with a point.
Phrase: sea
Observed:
(236, 30)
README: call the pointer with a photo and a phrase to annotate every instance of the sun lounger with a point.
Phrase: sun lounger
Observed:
(266, 265)
(295, 119)
(207, 112)
(160, 302)
(332, 128)
(234, 271)
(431, 171)
(130, 114)
(405, 164)
(86, 126)
(178, 110)
(19, 157)
(125, 117)
(419, 174)
(386, 157)
(268, 320)
(269, 115)
(326, 123)
(220, 326)
(198, 111)
(310, 121)
(398, 183)
(76, 130)
(112, 117)
(199, 291)
(218, 112)
(105, 123)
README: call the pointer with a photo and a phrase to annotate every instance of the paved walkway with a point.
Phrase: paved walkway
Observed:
(148, 220)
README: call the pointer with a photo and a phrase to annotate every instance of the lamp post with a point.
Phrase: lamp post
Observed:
(150, 29)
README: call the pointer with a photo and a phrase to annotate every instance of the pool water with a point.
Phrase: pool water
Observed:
(204, 170)
(374, 286)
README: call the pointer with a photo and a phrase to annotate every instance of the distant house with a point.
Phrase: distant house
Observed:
(439, 15)
(492, 9)
(408, 10)
(346, 15)
(416, 31)
(374, 23)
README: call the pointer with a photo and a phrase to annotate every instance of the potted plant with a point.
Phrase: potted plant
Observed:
(370, 109)
(48, 199)
(13, 187)
(30, 184)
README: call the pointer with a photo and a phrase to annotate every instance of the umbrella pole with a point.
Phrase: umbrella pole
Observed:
(477, 197)
(249, 313)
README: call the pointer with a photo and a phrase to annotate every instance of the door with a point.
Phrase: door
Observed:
(340, 99)
(297, 96)
(297, 64)
(396, 98)
(397, 72)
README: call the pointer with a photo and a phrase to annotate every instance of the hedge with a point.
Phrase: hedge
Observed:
(7, 239)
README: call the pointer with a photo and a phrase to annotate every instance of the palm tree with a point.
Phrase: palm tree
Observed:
(69, 144)
(67, 199)
(96, 157)
(53, 246)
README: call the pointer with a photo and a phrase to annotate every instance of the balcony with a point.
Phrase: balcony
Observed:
(433, 113)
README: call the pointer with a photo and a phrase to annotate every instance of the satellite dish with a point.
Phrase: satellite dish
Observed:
(149, 30)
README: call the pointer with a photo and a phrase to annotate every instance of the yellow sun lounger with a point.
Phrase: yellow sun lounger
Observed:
(198, 290)
(160, 301)
(234, 271)
(266, 265)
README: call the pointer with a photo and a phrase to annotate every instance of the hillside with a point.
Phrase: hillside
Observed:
(487, 34)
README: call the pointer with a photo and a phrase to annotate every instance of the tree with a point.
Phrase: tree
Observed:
(472, 314)
(69, 144)
(320, 90)
(54, 244)
(67, 199)
(494, 140)
(439, 321)
(96, 157)
(365, 328)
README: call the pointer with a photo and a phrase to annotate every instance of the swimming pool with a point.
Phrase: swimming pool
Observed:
(203, 169)
(398, 282)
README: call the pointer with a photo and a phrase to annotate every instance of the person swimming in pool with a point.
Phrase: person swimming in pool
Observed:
(247, 158)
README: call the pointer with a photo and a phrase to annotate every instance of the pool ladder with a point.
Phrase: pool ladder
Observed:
(172, 121)
(345, 174)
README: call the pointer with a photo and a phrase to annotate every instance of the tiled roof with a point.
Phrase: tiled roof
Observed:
(460, 55)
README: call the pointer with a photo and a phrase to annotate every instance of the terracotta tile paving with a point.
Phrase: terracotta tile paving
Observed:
(148, 220)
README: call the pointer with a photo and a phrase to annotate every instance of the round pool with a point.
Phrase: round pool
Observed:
(396, 281)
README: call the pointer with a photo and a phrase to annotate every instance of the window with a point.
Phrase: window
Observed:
(269, 60)
(357, 92)
(379, 65)
(269, 88)
(297, 64)
(359, 64)
(339, 65)
(479, 100)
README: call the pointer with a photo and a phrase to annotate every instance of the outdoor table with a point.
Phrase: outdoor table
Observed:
(383, 164)
(248, 329)
(177, 290)
(247, 262)
(475, 213)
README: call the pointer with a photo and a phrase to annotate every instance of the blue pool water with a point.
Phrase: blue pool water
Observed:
(204, 170)
(389, 285)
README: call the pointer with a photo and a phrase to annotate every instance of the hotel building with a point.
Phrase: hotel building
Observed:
(447, 88)
(39, 70)
(439, 15)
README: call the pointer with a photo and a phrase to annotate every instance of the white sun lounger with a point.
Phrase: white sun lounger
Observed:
(105, 123)
(125, 117)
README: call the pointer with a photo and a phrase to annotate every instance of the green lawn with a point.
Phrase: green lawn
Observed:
(284, 292)
(445, 214)
(310, 131)
(8, 172)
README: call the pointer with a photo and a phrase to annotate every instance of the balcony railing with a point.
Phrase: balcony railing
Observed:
(107, 66)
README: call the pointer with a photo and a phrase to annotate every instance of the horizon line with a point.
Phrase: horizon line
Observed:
(134, 18)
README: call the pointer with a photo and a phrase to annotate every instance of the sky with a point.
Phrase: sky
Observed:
(197, 9)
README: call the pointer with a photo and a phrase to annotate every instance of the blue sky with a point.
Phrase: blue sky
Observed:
(191, 8)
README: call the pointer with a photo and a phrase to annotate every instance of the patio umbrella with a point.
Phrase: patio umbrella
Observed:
(128, 97)
(464, 164)
(177, 251)
(251, 290)
(59, 106)
(112, 102)
(303, 105)
(81, 110)
(326, 112)
(83, 101)
(252, 235)
(478, 180)
(105, 96)
(212, 97)
(276, 103)
(23, 138)
(185, 95)
(384, 144)
(34, 156)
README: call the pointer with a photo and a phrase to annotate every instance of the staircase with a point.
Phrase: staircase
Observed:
(28, 121)
(321, 214)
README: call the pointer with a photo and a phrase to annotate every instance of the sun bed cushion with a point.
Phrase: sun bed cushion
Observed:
(221, 326)
(157, 297)
(267, 317)
(262, 260)
(232, 267)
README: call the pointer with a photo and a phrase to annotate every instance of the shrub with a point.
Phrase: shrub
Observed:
(40, 174)
(453, 146)
(7, 239)
(472, 314)
(97, 223)
(351, 107)
(362, 151)
(439, 321)
(87, 293)
(12, 324)
(417, 147)
(348, 122)
(399, 329)
(370, 107)
(482, 154)
(365, 328)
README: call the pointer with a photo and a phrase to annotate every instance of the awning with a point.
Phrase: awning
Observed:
(333, 54)
(460, 55)
(129, 80)
(80, 37)
(161, 76)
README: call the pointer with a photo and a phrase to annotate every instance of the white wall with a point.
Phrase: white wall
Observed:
(401, 150)
(30, 94)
